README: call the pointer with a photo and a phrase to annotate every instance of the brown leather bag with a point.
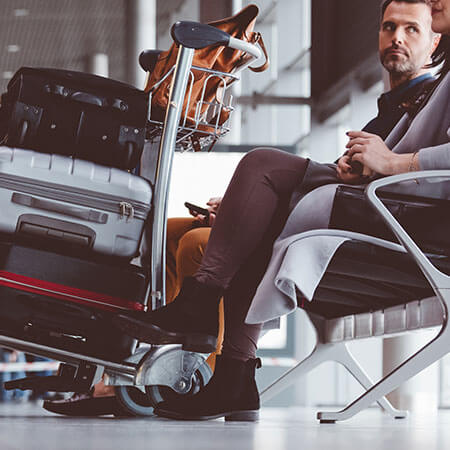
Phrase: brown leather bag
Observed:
(217, 58)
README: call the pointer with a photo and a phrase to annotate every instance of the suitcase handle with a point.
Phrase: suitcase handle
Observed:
(89, 215)
(85, 97)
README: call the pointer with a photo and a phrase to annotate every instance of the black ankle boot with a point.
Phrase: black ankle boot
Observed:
(192, 319)
(231, 393)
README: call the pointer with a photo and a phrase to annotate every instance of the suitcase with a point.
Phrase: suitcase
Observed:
(66, 302)
(73, 203)
(75, 114)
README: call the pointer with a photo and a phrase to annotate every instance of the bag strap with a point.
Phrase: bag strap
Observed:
(260, 41)
(418, 102)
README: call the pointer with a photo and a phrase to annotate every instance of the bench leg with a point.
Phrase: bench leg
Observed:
(315, 358)
(346, 358)
(426, 356)
(338, 352)
(320, 354)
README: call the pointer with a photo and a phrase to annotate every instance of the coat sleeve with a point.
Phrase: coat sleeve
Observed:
(436, 157)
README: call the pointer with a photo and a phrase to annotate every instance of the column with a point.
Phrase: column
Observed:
(98, 64)
(421, 393)
(141, 35)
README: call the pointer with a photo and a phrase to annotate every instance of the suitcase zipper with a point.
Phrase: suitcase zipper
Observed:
(124, 208)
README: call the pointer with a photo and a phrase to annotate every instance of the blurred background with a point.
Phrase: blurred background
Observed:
(324, 79)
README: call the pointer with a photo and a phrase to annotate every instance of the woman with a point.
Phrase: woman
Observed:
(252, 214)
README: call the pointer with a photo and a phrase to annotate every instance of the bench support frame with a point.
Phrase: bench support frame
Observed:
(323, 352)
(339, 352)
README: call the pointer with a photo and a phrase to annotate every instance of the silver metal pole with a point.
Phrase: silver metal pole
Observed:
(63, 355)
(163, 170)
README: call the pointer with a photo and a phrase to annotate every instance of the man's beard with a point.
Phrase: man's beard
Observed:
(399, 67)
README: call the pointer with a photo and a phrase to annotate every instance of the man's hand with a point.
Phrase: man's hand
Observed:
(371, 151)
(344, 171)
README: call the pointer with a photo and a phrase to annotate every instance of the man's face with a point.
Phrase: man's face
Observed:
(405, 38)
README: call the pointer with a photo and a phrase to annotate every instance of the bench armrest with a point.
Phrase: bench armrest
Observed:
(436, 278)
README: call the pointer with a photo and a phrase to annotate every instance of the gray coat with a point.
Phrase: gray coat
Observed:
(428, 134)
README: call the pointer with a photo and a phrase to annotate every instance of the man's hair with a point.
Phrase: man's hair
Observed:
(442, 55)
(386, 3)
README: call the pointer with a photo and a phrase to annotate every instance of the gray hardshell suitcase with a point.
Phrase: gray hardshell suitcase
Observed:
(72, 201)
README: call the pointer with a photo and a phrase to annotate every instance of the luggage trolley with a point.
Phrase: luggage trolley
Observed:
(82, 337)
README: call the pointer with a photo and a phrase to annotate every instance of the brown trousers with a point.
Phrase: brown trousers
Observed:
(186, 243)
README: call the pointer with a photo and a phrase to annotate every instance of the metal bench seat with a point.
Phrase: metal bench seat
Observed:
(371, 290)
(363, 277)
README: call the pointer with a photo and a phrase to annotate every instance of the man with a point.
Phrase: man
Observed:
(405, 45)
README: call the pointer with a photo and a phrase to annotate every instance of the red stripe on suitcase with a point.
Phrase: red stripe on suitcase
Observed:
(67, 293)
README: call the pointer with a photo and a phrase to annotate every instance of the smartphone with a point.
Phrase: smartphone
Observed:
(357, 167)
(197, 209)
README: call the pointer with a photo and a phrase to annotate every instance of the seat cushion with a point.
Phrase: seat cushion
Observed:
(363, 278)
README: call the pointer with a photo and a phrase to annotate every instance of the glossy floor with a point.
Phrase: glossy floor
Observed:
(29, 427)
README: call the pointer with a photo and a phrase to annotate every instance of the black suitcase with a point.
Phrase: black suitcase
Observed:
(66, 302)
(75, 114)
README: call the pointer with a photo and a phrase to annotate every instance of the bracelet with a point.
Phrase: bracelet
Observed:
(412, 167)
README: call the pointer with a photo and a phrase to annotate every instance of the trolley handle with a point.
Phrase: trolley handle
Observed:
(148, 59)
(198, 35)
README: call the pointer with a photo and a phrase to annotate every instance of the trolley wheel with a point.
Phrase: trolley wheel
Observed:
(134, 401)
(200, 378)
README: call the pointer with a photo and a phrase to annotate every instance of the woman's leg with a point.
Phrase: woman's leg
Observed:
(190, 249)
(240, 339)
(251, 216)
(252, 213)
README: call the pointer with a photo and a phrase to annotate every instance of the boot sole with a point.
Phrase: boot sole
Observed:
(91, 407)
(251, 415)
(152, 334)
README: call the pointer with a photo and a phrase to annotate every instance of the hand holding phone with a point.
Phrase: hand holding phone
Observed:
(357, 167)
(197, 209)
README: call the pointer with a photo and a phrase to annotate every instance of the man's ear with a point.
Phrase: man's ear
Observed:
(436, 40)
(435, 43)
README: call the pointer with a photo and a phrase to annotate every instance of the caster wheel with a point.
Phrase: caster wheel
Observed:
(163, 365)
(200, 378)
(134, 401)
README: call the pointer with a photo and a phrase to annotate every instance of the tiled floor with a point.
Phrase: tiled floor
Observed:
(30, 427)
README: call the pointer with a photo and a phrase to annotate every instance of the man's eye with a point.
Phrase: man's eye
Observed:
(388, 27)
(412, 29)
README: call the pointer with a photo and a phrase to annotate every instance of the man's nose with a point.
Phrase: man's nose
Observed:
(398, 37)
